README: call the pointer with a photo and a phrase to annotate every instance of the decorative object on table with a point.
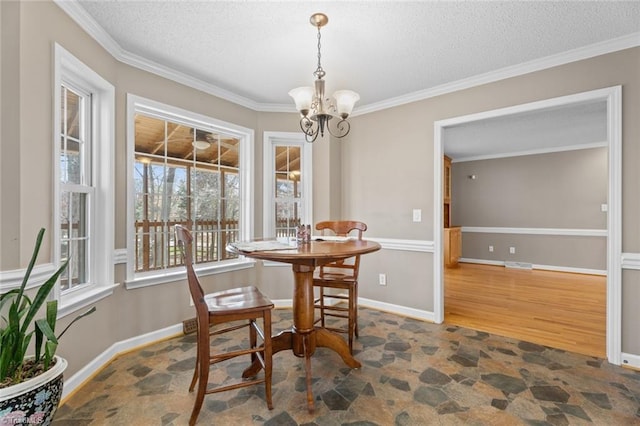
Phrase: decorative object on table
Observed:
(341, 274)
(303, 234)
(234, 308)
(316, 109)
(30, 385)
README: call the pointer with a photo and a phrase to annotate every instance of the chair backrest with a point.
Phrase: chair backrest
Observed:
(344, 268)
(184, 240)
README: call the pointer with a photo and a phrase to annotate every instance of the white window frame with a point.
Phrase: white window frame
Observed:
(71, 71)
(270, 141)
(137, 104)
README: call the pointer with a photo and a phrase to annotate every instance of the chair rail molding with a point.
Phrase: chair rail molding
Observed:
(536, 231)
(631, 261)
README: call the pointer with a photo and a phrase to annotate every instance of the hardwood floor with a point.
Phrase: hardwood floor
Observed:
(561, 310)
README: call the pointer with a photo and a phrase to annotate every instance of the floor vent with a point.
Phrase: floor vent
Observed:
(189, 326)
(518, 265)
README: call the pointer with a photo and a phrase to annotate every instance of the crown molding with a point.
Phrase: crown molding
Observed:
(88, 24)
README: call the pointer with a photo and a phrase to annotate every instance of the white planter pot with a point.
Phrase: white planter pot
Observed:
(34, 401)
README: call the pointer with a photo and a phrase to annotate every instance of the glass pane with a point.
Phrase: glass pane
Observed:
(295, 174)
(155, 192)
(65, 205)
(206, 245)
(228, 152)
(231, 185)
(73, 115)
(232, 200)
(149, 135)
(79, 215)
(77, 270)
(284, 186)
(176, 193)
(282, 159)
(286, 219)
(64, 253)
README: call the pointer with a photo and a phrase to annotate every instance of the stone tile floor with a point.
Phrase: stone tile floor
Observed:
(413, 373)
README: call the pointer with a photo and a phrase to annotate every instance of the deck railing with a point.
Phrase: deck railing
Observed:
(156, 248)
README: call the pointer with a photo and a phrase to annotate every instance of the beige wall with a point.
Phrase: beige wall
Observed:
(556, 190)
(386, 169)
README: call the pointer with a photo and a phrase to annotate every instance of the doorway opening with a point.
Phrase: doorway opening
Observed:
(612, 98)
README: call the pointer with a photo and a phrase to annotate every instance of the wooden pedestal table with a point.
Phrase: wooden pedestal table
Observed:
(303, 337)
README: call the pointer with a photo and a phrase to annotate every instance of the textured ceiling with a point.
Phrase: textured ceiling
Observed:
(390, 52)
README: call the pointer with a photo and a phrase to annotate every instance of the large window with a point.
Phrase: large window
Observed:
(186, 169)
(83, 172)
(287, 183)
(76, 186)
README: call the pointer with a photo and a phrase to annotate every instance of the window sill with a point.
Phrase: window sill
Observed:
(71, 303)
(180, 274)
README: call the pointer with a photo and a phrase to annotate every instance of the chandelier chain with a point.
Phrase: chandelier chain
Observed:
(319, 70)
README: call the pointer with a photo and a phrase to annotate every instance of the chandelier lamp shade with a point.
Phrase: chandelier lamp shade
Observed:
(316, 109)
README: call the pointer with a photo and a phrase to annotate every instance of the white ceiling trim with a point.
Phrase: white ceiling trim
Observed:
(531, 152)
(88, 24)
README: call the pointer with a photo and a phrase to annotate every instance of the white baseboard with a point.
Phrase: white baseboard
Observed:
(85, 373)
(397, 309)
(538, 267)
(368, 303)
(629, 360)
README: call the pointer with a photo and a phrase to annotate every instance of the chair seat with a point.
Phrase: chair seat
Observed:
(330, 276)
(237, 299)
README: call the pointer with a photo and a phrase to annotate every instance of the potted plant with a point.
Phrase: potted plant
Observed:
(30, 385)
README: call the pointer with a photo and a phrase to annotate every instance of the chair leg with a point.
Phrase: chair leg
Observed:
(268, 357)
(322, 306)
(253, 338)
(355, 307)
(203, 367)
(351, 319)
(194, 379)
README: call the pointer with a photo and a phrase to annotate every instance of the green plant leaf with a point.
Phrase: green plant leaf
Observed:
(32, 262)
(41, 296)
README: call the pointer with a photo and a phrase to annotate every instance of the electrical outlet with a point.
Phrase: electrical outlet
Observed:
(490, 249)
(382, 279)
(512, 250)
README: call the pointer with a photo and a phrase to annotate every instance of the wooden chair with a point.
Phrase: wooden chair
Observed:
(245, 304)
(341, 275)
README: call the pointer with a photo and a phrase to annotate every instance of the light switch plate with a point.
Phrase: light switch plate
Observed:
(417, 215)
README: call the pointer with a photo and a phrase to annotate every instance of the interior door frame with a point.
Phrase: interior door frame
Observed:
(613, 97)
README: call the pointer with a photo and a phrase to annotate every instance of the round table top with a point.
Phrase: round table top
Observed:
(319, 251)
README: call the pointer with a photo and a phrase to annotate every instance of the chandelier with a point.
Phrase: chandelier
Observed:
(317, 110)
